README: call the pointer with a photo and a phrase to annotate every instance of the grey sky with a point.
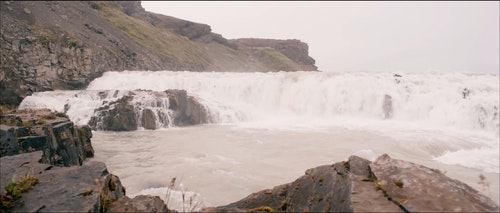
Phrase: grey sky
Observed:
(362, 36)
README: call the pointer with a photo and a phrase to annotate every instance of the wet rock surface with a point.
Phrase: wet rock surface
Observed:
(115, 116)
(162, 109)
(187, 110)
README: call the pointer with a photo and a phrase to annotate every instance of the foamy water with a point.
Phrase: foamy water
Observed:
(270, 127)
(220, 164)
(429, 99)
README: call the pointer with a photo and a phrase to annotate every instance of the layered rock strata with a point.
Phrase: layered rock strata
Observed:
(62, 143)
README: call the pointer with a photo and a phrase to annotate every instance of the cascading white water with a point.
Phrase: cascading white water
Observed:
(463, 101)
(443, 120)
(80, 106)
(430, 101)
(160, 107)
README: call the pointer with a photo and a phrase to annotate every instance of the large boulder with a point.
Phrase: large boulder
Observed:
(358, 185)
(140, 203)
(418, 188)
(66, 145)
(148, 119)
(8, 141)
(119, 115)
(149, 110)
(187, 110)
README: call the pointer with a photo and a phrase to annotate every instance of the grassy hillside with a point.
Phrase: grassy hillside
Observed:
(48, 45)
(161, 41)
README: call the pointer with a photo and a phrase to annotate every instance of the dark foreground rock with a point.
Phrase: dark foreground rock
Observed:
(60, 188)
(140, 203)
(61, 141)
(149, 110)
(43, 168)
(358, 185)
(86, 188)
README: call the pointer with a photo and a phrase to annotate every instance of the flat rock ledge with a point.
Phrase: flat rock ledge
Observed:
(86, 188)
(359, 185)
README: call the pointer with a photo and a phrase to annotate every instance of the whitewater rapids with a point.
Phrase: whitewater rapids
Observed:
(268, 128)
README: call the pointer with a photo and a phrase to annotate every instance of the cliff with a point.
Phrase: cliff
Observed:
(65, 45)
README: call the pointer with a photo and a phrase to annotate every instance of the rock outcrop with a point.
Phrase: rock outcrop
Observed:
(43, 168)
(149, 110)
(62, 143)
(48, 45)
(187, 110)
(293, 50)
(358, 185)
(140, 203)
(115, 116)
(86, 188)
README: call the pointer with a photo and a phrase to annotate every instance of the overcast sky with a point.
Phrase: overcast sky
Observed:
(362, 36)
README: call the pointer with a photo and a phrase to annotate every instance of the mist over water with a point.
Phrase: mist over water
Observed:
(268, 128)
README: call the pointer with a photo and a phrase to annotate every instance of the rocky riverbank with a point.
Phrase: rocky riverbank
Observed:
(44, 168)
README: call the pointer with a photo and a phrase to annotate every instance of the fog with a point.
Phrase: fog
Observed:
(362, 36)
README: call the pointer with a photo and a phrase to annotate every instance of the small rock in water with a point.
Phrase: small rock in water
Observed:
(387, 107)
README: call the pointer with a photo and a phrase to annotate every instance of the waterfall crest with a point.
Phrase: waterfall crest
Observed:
(464, 101)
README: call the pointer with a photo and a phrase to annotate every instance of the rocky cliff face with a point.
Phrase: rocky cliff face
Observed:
(65, 45)
(291, 52)
(62, 143)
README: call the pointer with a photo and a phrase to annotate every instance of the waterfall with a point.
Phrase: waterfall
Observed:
(463, 101)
